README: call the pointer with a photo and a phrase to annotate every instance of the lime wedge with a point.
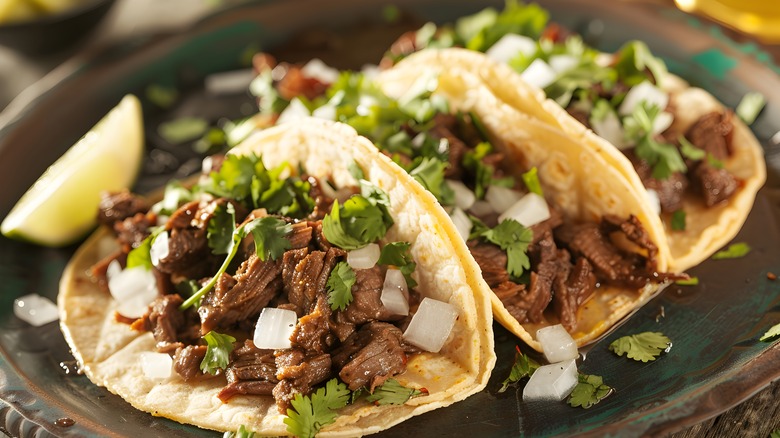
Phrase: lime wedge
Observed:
(61, 206)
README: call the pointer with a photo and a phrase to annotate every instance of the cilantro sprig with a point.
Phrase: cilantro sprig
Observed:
(771, 334)
(642, 347)
(512, 237)
(397, 254)
(734, 251)
(589, 391)
(339, 286)
(218, 352)
(523, 367)
(664, 158)
(310, 413)
(393, 393)
(357, 223)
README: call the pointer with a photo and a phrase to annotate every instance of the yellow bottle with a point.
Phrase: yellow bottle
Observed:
(760, 18)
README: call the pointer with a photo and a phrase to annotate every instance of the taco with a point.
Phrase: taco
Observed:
(288, 224)
(697, 163)
(560, 235)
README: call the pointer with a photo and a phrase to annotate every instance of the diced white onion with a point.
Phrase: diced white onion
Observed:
(274, 328)
(655, 201)
(662, 122)
(326, 112)
(365, 103)
(35, 310)
(610, 129)
(501, 198)
(539, 74)
(464, 197)
(294, 111)
(551, 382)
(563, 63)
(462, 222)
(133, 289)
(431, 325)
(207, 166)
(557, 343)
(159, 249)
(317, 69)
(395, 293)
(363, 258)
(643, 92)
(229, 82)
(509, 46)
(530, 210)
(482, 208)
(156, 365)
(370, 71)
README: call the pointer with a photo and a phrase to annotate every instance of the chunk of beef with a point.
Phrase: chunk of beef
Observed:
(301, 235)
(318, 238)
(713, 132)
(715, 185)
(491, 260)
(541, 229)
(170, 326)
(117, 206)
(305, 275)
(404, 45)
(366, 302)
(293, 83)
(322, 202)
(312, 333)
(633, 230)
(187, 360)
(572, 287)
(252, 371)
(444, 126)
(370, 356)
(546, 266)
(256, 282)
(670, 190)
(131, 231)
(298, 373)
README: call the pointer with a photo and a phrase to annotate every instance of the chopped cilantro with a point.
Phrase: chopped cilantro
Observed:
(220, 228)
(162, 96)
(750, 106)
(531, 180)
(523, 367)
(175, 195)
(483, 29)
(693, 281)
(355, 224)
(775, 434)
(269, 234)
(339, 285)
(689, 150)
(183, 129)
(397, 254)
(218, 352)
(771, 334)
(634, 60)
(642, 347)
(393, 393)
(514, 238)
(430, 173)
(734, 251)
(242, 432)
(665, 158)
(140, 255)
(310, 413)
(678, 220)
(714, 162)
(481, 172)
(589, 391)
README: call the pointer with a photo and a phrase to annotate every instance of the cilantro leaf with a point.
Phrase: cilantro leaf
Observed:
(750, 106)
(310, 413)
(183, 129)
(339, 285)
(775, 434)
(480, 31)
(393, 393)
(589, 391)
(269, 234)
(397, 254)
(429, 172)
(689, 150)
(242, 432)
(642, 347)
(220, 228)
(678, 220)
(511, 236)
(693, 281)
(479, 170)
(175, 195)
(140, 255)
(355, 224)
(523, 367)
(218, 352)
(771, 334)
(665, 158)
(235, 177)
(531, 180)
(734, 251)
(634, 60)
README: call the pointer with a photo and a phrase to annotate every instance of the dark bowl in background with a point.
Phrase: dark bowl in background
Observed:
(51, 33)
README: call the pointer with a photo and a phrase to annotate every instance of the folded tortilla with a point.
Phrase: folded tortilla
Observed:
(109, 351)
(708, 228)
(582, 182)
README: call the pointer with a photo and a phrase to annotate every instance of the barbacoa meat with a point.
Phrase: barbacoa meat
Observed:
(187, 360)
(171, 327)
(298, 372)
(252, 371)
(117, 206)
(370, 356)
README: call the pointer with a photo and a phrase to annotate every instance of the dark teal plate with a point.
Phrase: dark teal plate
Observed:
(716, 362)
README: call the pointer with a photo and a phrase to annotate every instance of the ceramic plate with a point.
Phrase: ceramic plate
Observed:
(716, 360)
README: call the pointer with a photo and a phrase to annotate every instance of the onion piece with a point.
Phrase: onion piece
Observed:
(431, 325)
(35, 310)
(316, 69)
(294, 111)
(539, 74)
(501, 198)
(509, 46)
(643, 92)
(395, 294)
(133, 289)
(326, 112)
(563, 63)
(530, 210)
(482, 208)
(464, 197)
(156, 365)
(365, 257)
(609, 128)
(462, 222)
(229, 82)
(557, 343)
(551, 382)
(655, 200)
(274, 328)
(159, 249)
(662, 122)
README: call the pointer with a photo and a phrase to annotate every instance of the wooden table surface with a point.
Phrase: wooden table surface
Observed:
(758, 416)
